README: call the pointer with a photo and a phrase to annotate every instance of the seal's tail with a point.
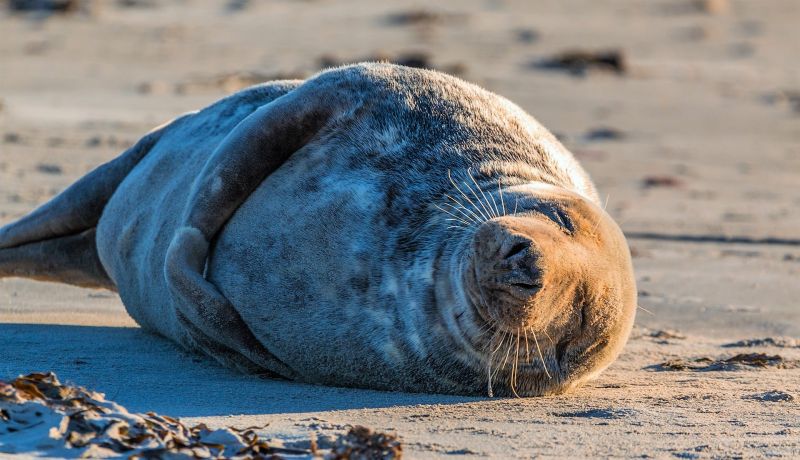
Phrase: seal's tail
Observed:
(56, 242)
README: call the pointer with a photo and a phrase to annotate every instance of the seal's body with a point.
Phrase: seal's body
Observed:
(375, 226)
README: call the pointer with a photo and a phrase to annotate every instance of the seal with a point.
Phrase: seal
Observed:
(374, 226)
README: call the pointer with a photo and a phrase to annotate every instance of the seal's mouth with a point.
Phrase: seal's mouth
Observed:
(519, 361)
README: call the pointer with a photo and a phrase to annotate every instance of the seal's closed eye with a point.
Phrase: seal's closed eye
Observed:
(558, 215)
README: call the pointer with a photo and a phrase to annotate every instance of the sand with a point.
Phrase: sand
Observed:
(695, 142)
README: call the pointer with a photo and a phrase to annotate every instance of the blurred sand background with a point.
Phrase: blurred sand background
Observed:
(691, 131)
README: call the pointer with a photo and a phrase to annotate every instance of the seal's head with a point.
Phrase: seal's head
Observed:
(553, 285)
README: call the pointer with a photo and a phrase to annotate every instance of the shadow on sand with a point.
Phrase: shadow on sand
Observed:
(144, 372)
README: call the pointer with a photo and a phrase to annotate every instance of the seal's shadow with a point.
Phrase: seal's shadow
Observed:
(144, 372)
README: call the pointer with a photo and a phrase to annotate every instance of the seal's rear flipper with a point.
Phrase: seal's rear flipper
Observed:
(69, 259)
(56, 241)
(260, 144)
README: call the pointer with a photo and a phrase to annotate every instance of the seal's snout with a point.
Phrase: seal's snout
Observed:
(508, 270)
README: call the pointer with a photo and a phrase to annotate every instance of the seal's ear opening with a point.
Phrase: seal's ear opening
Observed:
(251, 152)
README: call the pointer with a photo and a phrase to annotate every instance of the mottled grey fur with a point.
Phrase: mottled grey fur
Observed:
(301, 229)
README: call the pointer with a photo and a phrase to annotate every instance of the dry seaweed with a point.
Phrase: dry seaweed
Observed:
(737, 362)
(771, 396)
(363, 443)
(424, 18)
(661, 336)
(39, 414)
(780, 342)
(788, 98)
(580, 62)
(665, 334)
(661, 181)
(55, 6)
(604, 134)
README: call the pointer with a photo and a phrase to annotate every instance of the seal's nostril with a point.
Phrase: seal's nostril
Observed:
(516, 249)
(527, 286)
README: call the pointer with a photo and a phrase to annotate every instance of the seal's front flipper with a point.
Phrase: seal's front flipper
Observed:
(250, 153)
(222, 354)
(213, 325)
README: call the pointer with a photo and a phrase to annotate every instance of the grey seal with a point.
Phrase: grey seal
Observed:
(374, 226)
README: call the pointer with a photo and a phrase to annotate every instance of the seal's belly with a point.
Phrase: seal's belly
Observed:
(302, 261)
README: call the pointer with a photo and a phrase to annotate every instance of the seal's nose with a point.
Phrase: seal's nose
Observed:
(508, 271)
(518, 266)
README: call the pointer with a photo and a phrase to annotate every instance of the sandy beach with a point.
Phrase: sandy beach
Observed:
(691, 133)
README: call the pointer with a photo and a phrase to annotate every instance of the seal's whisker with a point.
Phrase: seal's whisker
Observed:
(600, 216)
(516, 202)
(487, 211)
(500, 342)
(597, 224)
(460, 213)
(490, 361)
(499, 365)
(482, 331)
(494, 202)
(527, 349)
(450, 177)
(544, 364)
(508, 352)
(457, 224)
(457, 219)
(451, 214)
(474, 207)
(507, 335)
(457, 204)
(548, 337)
(459, 207)
(486, 328)
(489, 372)
(480, 189)
(645, 310)
(484, 303)
(515, 369)
(502, 202)
(485, 203)
(489, 380)
(460, 226)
